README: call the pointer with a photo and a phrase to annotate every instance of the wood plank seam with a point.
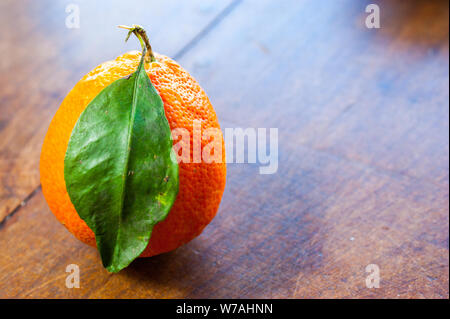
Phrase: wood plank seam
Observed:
(18, 207)
(210, 26)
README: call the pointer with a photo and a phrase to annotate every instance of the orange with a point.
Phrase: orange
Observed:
(201, 185)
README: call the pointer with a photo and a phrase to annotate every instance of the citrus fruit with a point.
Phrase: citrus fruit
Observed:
(201, 185)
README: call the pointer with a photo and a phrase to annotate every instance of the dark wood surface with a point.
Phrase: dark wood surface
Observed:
(363, 120)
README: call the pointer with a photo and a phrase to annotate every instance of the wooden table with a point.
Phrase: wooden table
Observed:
(363, 122)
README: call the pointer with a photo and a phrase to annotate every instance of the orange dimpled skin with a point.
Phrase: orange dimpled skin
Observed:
(201, 184)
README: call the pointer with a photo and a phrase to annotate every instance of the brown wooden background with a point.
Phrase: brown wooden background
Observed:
(363, 118)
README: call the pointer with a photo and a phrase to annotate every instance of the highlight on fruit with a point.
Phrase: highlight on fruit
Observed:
(109, 170)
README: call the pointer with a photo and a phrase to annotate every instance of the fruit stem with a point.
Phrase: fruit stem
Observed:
(140, 33)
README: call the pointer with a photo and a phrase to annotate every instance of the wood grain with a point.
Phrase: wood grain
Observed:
(363, 150)
(369, 96)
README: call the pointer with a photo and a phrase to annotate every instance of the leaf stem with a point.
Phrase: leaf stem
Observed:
(140, 33)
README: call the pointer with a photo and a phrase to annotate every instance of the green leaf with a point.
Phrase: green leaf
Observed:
(120, 170)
